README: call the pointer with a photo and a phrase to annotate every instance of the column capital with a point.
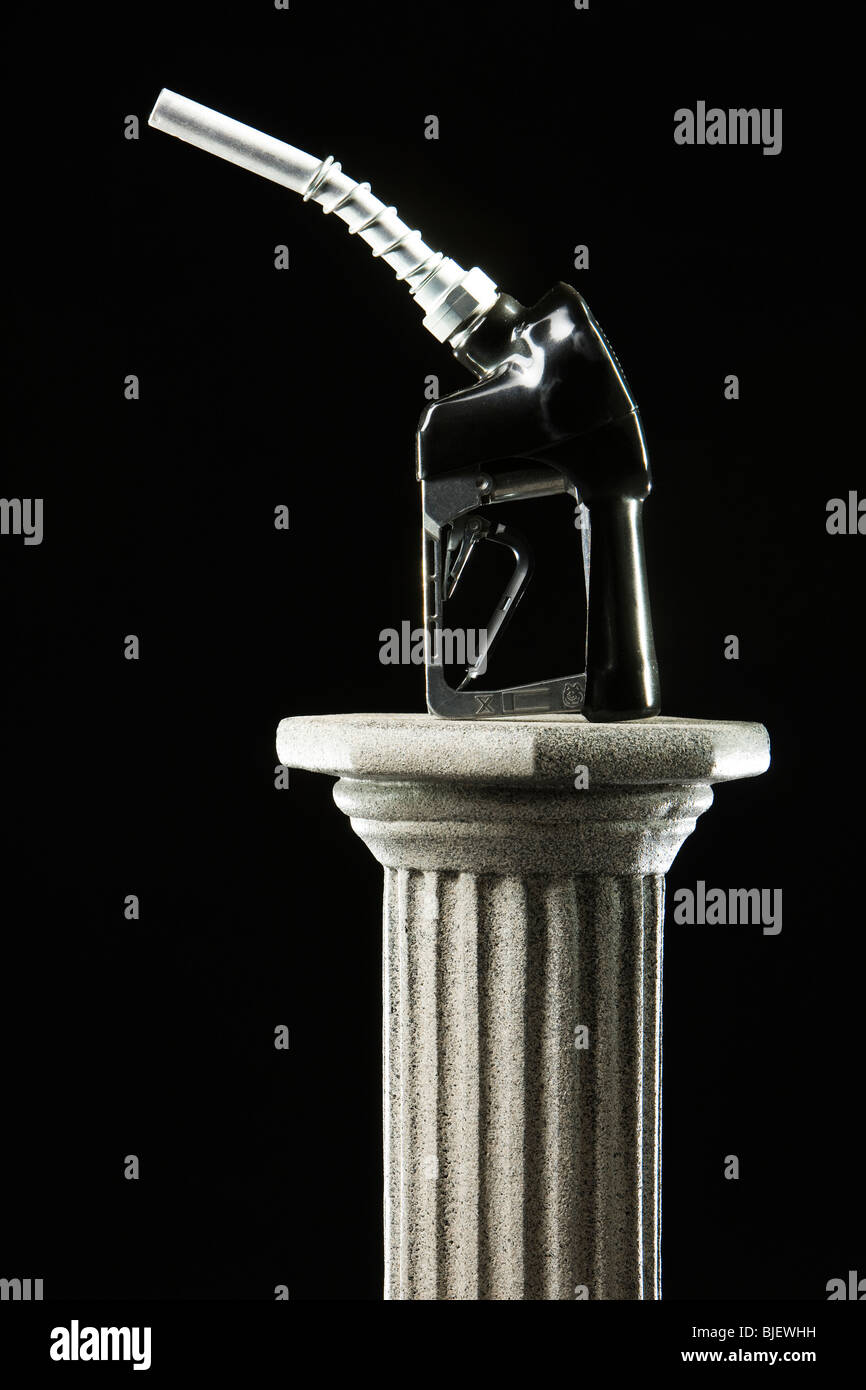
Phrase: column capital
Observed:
(500, 796)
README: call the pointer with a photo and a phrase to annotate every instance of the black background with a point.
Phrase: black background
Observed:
(304, 387)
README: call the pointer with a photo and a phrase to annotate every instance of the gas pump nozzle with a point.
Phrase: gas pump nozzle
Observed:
(550, 412)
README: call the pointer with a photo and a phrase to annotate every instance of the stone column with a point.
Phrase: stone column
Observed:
(522, 984)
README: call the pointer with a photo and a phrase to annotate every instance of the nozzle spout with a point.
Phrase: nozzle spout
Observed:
(452, 298)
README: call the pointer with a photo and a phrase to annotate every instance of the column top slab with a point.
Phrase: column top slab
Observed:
(521, 752)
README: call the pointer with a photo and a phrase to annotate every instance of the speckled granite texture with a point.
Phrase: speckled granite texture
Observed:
(522, 917)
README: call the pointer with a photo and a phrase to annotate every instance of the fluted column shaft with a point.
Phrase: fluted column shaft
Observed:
(522, 985)
(521, 1085)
